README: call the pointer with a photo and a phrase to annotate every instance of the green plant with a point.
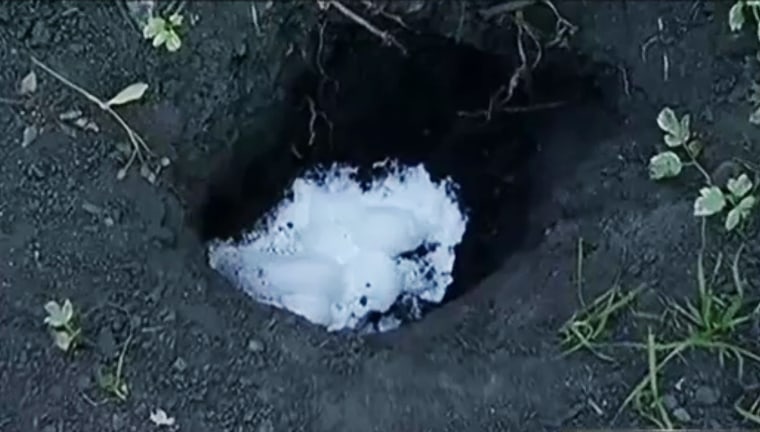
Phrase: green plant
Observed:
(712, 199)
(710, 324)
(111, 380)
(62, 321)
(588, 325)
(737, 18)
(164, 31)
(678, 137)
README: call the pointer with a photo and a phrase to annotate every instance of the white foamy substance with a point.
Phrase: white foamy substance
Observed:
(333, 252)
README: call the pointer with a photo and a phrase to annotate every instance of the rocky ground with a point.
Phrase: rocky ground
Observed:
(129, 253)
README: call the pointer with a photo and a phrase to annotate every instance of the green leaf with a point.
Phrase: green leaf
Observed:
(68, 310)
(155, 26)
(754, 117)
(176, 20)
(668, 122)
(733, 219)
(173, 42)
(62, 339)
(685, 128)
(58, 316)
(130, 93)
(160, 38)
(673, 141)
(739, 186)
(665, 165)
(740, 212)
(747, 204)
(106, 379)
(676, 132)
(736, 16)
(710, 201)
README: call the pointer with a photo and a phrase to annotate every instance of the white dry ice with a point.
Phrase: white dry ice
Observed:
(333, 251)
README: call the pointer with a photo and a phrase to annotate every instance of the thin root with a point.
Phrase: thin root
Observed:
(353, 16)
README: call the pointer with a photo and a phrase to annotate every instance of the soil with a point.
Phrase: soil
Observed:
(231, 110)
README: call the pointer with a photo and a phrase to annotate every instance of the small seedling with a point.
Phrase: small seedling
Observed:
(111, 381)
(737, 17)
(713, 200)
(164, 32)
(61, 319)
(160, 418)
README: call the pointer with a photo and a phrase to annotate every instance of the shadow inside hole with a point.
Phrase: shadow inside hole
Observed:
(419, 109)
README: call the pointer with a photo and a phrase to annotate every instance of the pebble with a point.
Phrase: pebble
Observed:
(40, 34)
(106, 342)
(670, 401)
(706, 395)
(681, 415)
(180, 365)
(255, 346)
(266, 426)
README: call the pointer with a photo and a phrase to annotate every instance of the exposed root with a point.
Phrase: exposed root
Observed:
(499, 101)
(314, 115)
(377, 10)
(385, 36)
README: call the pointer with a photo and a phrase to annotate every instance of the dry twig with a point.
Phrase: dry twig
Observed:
(386, 37)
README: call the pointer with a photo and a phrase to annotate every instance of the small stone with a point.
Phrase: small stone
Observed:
(255, 346)
(670, 401)
(106, 342)
(49, 428)
(180, 365)
(84, 382)
(265, 426)
(706, 395)
(40, 34)
(681, 415)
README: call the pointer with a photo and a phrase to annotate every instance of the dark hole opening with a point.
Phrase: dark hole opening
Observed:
(412, 109)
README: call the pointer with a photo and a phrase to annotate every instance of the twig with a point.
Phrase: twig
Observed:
(10, 101)
(512, 109)
(138, 144)
(626, 83)
(507, 7)
(377, 10)
(384, 35)
(255, 17)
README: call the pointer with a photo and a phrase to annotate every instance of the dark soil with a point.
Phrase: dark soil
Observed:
(231, 111)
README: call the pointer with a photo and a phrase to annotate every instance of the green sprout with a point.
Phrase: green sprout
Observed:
(737, 19)
(678, 136)
(111, 380)
(712, 199)
(164, 32)
(62, 321)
